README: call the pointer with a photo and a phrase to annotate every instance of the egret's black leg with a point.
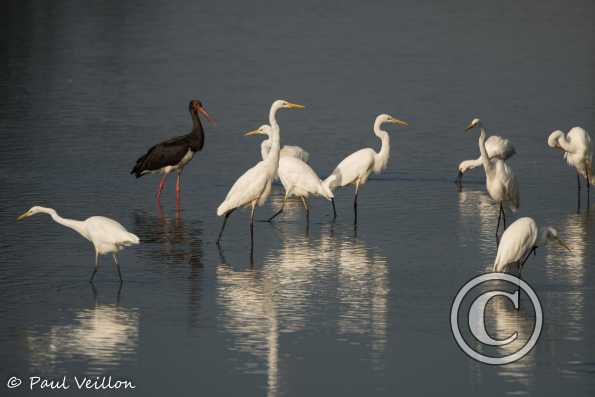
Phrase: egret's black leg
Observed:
(96, 267)
(278, 212)
(503, 218)
(118, 267)
(334, 209)
(532, 251)
(459, 179)
(223, 225)
(355, 204)
(252, 223)
(305, 202)
(578, 192)
(498, 225)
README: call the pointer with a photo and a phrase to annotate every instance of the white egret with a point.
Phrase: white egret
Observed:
(576, 146)
(297, 177)
(496, 148)
(357, 167)
(520, 240)
(501, 183)
(286, 150)
(106, 235)
(254, 186)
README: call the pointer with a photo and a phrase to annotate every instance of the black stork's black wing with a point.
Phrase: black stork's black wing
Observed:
(166, 153)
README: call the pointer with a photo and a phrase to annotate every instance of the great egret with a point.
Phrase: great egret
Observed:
(286, 150)
(297, 177)
(175, 153)
(576, 146)
(501, 183)
(496, 148)
(254, 186)
(357, 167)
(106, 235)
(520, 240)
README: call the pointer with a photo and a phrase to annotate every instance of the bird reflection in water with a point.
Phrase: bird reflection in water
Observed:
(568, 268)
(289, 290)
(173, 241)
(476, 209)
(502, 320)
(101, 337)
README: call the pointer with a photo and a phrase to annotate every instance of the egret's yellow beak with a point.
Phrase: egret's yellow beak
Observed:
(23, 216)
(563, 244)
(397, 121)
(253, 132)
(471, 125)
(294, 106)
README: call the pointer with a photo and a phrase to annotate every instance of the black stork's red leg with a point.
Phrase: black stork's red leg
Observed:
(178, 190)
(161, 187)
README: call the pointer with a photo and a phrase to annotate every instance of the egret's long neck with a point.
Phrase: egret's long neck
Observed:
(487, 164)
(275, 139)
(77, 226)
(265, 148)
(564, 143)
(383, 155)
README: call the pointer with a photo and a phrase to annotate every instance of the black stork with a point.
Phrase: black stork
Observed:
(175, 153)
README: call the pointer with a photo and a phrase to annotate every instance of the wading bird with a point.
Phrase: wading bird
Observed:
(175, 153)
(106, 235)
(520, 240)
(254, 186)
(297, 177)
(496, 148)
(576, 146)
(357, 167)
(501, 183)
(286, 150)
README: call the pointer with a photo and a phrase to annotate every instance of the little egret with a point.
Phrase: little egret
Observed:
(520, 240)
(501, 183)
(254, 186)
(107, 235)
(297, 177)
(576, 146)
(175, 153)
(496, 148)
(357, 167)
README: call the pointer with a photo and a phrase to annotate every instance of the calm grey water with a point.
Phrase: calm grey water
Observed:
(87, 87)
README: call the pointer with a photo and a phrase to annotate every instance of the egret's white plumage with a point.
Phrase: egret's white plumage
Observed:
(519, 240)
(297, 177)
(578, 152)
(286, 150)
(357, 167)
(496, 148)
(106, 235)
(254, 186)
(501, 183)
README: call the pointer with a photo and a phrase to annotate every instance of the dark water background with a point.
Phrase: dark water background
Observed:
(87, 87)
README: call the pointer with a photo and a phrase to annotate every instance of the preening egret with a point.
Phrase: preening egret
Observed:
(501, 183)
(175, 153)
(520, 240)
(576, 146)
(297, 177)
(496, 148)
(254, 186)
(357, 167)
(286, 150)
(107, 235)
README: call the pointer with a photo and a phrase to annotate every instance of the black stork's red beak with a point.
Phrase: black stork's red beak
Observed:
(199, 108)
